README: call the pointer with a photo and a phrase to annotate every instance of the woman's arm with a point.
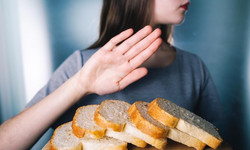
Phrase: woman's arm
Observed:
(109, 70)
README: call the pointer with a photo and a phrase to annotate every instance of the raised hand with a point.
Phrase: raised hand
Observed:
(113, 67)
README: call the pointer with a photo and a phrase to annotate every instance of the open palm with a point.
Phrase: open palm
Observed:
(113, 67)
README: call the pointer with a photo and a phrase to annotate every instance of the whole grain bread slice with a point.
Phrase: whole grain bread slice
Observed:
(64, 139)
(112, 115)
(185, 121)
(83, 123)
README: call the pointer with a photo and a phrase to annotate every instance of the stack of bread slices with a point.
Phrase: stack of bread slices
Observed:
(114, 123)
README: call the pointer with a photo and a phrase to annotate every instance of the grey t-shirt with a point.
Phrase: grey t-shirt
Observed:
(186, 82)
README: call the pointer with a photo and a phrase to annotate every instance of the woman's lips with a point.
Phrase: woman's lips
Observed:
(185, 6)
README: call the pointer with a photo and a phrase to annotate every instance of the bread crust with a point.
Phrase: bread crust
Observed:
(162, 116)
(144, 125)
(80, 131)
(102, 122)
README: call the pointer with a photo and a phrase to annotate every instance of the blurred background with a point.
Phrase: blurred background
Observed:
(37, 35)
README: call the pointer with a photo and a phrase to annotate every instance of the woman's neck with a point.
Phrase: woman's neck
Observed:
(163, 57)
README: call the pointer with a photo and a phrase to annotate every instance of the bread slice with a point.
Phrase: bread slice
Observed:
(83, 123)
(152, 131)
(187, 121)
(157, 143)
(186, 139)
(64, 139)
(105, 143)
(112, 115)
(139, 115)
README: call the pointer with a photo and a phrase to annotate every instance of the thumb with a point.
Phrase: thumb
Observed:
(132, 77)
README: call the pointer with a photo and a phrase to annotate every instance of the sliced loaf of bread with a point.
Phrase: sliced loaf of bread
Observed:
(112, 115)
(64, 139)
(185, 121)
(83, 123)
(153, 131)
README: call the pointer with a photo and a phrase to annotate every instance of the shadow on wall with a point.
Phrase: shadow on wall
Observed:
(216, 31)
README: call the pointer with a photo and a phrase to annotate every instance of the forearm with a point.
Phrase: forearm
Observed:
(24, 129)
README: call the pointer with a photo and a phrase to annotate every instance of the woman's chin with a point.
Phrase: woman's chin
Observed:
(179, 20)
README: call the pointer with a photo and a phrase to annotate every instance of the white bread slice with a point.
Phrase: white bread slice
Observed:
(152, 131)
(83, 123)
(112, 115)
(186, 139)
(187, 121)
(157, 143)
(139, 115)
(105, 143)
(64, 139)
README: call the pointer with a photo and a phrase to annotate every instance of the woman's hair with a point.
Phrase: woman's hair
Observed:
(119, 15)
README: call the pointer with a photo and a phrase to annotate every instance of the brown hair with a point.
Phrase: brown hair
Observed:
(119, 15)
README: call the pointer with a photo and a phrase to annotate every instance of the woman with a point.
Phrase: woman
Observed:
(120, 65)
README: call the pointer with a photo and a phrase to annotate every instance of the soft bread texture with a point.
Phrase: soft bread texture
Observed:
(83, 123)
(112, 115)
(157, 143)
(187, 121)
(105, 143)
(127, 137)
(186, 139)
(139, 115)
(64, 139)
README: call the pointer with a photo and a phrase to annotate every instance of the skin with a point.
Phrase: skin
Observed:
(165, 12)
(169, 11)
(113, 67)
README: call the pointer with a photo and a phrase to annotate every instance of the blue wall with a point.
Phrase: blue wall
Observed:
(72, 25)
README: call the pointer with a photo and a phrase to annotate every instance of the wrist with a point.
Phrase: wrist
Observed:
(80, 86)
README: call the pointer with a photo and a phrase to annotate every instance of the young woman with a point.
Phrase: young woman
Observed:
(120, 65)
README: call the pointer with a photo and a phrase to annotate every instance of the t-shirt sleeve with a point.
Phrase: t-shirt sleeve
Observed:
(209, 105)
(66, 70)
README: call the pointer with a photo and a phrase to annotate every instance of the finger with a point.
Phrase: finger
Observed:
(143, 56)
(127, 44)
(142, 45)
(132, 77)
(117, 39)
